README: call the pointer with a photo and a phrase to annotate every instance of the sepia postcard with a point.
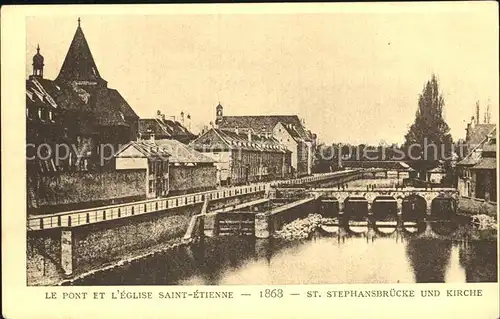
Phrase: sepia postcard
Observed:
(322, 160)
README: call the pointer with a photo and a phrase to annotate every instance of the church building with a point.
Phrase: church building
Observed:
(78, 110)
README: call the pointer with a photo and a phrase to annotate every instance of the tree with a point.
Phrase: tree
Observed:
(326, 158)
(429, 136)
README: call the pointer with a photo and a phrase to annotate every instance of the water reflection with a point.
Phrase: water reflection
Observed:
(356, 252)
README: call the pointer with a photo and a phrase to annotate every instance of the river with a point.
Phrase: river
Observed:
(432, 252)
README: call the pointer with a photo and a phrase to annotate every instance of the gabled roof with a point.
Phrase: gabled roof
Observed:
(79, 65)
(233, 140)
(147, 149)
(174, 151)
(110, 107)
(181, 153)
(478, 133)
(290, 130)
(164, 127)
(264, 123)
(475, 154)
(256, 143)
(97, 106)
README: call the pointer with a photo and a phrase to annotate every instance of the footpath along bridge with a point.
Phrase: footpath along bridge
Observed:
(217, 198)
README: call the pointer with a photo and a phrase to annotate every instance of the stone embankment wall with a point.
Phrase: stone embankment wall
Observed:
(190, 179)
(74, 190)
(95, 245)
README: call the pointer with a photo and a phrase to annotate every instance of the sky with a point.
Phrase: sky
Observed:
(353, 77)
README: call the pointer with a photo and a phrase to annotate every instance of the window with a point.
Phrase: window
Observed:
(151, 186)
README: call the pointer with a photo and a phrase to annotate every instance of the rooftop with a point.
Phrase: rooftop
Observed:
(478, 133)
(181, 153)
(79, 64)
(264, 123)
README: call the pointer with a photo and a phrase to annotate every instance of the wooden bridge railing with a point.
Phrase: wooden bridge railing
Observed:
(100, 214)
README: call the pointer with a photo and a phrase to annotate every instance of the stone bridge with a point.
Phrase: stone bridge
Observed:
(399, 196)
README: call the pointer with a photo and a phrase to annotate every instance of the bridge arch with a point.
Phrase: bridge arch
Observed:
(329, 207)
(443, 207)
(414, 208)
(355, 208)
(384, 208)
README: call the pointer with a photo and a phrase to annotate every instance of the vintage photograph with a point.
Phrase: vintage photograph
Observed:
(261, 149)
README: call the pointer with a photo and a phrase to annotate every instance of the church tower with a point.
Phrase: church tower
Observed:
(79, 65)
(218, 114)
(38, 64)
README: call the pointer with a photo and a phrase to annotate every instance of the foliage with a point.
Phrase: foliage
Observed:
(326, 159)
(429, 127)
(483, 222)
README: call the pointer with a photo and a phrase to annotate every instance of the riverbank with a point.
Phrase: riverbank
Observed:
(485, 227)
(129, 258)
(301, 228)
(474, 206)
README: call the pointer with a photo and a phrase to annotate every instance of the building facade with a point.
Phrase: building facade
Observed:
(478, 170)
(77, 113)
(189, 171)
(171, 167)
(152, 160)
(244, 157)
(288, 130)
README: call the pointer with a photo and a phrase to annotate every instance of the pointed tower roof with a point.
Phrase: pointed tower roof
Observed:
(79, 65)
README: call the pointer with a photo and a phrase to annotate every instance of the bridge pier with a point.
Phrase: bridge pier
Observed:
(67, 251)
(399, 204)
(262, 229)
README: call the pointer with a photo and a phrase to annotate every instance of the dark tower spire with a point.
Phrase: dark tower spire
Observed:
(79, 64)
(38, 63)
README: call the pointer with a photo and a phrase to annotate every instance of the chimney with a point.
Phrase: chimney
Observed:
(188, 117)
(182, 117)
(236, 131)
(173, 118)
(249, 135)
(152, 137)
(158, 114)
